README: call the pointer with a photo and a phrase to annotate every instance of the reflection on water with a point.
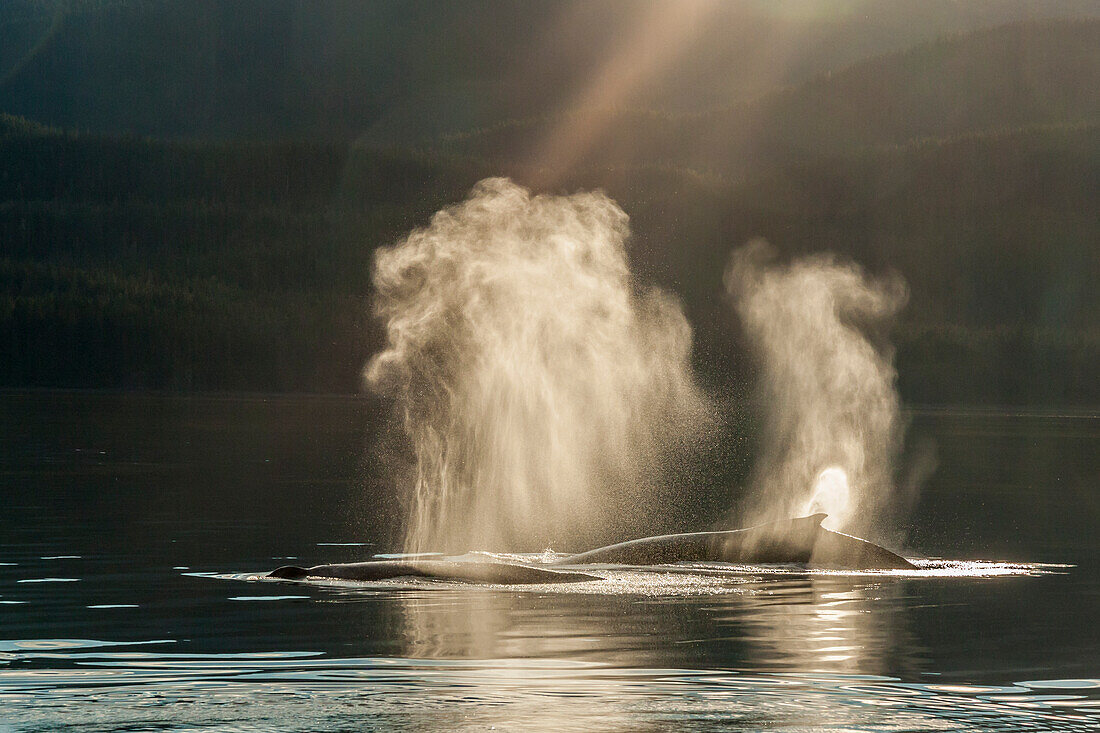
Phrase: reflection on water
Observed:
(795, 623)
(786, 620)
(312, 691)
(127, 524)
(642, 649)
(819, 624)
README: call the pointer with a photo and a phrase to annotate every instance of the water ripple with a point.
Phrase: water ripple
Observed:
(315, 690)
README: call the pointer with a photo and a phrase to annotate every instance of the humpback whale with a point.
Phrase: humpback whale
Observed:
(503, 573)
(800, 541)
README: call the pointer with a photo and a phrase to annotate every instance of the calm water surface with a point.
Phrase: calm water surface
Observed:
(132, 530)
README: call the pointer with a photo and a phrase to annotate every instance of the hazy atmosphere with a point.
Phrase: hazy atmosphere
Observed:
(564, 365)
(193, 193)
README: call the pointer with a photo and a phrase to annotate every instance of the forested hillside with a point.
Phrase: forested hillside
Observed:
(239, 260)
(130, 262)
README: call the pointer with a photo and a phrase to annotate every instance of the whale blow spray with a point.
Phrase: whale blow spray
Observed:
(833, 425)
(542, 390)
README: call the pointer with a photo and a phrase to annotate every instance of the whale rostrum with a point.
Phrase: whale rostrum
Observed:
(800, 541)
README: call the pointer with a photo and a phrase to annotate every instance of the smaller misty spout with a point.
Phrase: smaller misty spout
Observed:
(832, 412)
(542, 391)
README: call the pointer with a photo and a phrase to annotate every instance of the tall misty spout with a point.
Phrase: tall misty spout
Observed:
(541, 389)
(832, 427)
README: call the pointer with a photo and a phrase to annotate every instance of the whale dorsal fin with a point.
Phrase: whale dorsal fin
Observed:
(817, 519)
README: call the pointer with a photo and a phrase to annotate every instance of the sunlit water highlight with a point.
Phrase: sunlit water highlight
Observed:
(702, 578)
(257, 690)
(552, 658)
(469, 661)
(164, 631)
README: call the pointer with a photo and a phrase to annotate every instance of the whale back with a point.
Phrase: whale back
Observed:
(469, 571)
(802, 540)
(786, 541)
(839, 550)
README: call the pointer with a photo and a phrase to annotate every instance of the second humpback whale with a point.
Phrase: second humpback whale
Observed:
(802, 541)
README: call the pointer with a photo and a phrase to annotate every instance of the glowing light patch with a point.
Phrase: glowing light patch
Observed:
(831, 495)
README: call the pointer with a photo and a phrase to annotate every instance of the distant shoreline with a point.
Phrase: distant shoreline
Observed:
(1089, 412)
